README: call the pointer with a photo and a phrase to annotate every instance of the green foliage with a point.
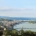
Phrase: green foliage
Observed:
(10, 32)
(7, 32)
(21, 32)
(14, 33)
(32, 22)
(17, 33)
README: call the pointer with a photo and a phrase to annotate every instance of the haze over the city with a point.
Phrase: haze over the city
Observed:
(18, 8)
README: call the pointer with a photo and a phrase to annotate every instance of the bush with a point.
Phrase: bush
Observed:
(17, 33)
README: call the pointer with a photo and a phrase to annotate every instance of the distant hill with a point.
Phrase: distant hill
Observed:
(17, 18)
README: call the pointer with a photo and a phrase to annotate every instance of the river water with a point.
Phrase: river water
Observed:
(25, 26)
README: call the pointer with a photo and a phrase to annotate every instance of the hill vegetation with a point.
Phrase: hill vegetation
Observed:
(19, 33)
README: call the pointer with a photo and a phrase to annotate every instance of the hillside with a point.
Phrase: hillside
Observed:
(16, 18)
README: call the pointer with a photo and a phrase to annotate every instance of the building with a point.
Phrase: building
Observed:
(2, 28)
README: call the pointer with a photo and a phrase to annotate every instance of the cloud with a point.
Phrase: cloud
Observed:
(15, 9)
(18, 12)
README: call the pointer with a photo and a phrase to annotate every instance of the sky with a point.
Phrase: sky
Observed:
(18, 8)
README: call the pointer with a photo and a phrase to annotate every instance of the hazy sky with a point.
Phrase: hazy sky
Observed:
(18, 8)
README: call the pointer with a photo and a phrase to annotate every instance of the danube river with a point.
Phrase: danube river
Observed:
(25, 26)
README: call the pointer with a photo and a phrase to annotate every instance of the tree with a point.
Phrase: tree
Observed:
(21, 32)
(14, 33)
